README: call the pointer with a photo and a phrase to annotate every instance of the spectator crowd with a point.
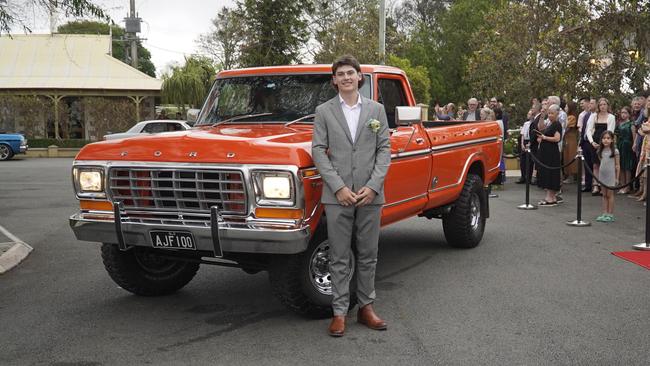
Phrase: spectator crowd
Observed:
(614, 143)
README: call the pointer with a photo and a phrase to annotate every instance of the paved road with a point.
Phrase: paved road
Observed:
(535, 292)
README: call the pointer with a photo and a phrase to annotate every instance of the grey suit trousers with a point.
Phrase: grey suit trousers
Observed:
(343, 222)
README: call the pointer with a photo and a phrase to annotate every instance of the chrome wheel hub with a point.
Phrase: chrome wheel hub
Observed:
(319, 271)
(4, 152)
(475, 211)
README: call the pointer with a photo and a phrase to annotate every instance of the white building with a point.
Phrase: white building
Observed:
(69, 86)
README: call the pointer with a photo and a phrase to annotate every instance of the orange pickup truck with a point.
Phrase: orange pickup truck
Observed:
(240, 188)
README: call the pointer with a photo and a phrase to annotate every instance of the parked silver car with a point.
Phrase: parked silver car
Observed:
(150, 127)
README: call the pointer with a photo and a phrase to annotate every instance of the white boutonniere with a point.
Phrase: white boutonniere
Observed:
(373, 125)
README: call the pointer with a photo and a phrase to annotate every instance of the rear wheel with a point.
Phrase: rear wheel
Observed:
(303, 282)
(5, 152)
(143, 272)
(465, 223)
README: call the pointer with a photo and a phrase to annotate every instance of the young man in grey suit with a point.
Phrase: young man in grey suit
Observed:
(351, 149)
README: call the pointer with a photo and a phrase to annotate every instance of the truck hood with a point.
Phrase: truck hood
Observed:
(229, 144)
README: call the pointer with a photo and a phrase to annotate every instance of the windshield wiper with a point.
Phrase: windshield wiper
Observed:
(242, 116)
(299, 119)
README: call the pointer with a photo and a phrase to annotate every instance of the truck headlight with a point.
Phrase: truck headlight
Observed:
(274, 188)
(89, 182)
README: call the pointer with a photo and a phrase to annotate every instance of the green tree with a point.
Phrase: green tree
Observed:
(188, 84)
(224, 39)
(418, 78)
(560, 47)
(438, 35)
(351, 27)
(13, 12)
(458, 31)
(118, 48)
(412, 14)
(620, 34)
(274, 31)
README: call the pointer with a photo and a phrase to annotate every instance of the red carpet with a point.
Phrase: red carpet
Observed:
(641, 258)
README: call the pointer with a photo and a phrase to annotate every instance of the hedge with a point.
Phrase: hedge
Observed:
(36, 143)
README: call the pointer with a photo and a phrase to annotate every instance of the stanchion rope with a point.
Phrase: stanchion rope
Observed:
(552, 167)
(616, 187)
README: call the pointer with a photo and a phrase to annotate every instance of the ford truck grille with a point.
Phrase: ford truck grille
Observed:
(177, 195)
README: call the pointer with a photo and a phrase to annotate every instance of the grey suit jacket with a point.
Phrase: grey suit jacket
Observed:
(342, 163)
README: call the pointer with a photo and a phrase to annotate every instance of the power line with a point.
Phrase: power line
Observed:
(168, 50)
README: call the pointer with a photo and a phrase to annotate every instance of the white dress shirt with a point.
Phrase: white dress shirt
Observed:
(351, 115)
(581, 122)
(525, 130)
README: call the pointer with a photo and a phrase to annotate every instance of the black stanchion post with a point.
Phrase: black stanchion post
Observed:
(527, 205)
(646, 245)
(578, 221)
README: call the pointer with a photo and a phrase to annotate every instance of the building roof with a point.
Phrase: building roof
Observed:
(66, 61)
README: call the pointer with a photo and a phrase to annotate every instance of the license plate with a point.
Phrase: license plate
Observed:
(172, 240)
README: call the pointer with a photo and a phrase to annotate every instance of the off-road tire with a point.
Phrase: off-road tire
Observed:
(291, 283)
(6, 152)
(160, 276)
(463, 229)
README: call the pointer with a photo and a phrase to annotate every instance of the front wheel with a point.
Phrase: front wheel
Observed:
(465, 223)
(5, 152)
(303, 282)
(143, 272)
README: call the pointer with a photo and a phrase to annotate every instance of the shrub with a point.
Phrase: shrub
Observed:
(74, 143)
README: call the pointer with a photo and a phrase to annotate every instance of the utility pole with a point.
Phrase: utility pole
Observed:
(132, 29)
(53, 19)
(110, 34)
(382, 31)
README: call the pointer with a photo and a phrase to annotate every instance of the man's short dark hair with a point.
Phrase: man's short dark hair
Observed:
(346, 60)
(585, 98)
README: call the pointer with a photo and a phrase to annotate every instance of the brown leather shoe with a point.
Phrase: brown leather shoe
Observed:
(337, 326)
(366, 315)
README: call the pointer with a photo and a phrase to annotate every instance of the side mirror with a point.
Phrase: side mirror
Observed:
(406, 116)
(193, 115)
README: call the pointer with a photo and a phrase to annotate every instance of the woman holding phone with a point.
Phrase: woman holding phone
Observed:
(549, 155)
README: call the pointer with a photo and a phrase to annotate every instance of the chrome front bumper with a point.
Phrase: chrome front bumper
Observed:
(252, 236)
(23, 148)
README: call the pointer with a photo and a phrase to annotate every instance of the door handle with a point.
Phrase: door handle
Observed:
(419, 140)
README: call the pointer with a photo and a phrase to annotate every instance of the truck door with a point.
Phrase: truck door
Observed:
(407, 180)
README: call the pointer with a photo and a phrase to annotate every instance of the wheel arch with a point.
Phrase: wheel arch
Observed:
(12, 152)
(477, 168)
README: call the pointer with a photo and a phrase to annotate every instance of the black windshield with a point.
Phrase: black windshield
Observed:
(284, 97)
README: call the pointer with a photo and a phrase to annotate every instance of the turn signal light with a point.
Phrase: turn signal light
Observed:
(96, 205)
(279, 213)
(309, 173)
